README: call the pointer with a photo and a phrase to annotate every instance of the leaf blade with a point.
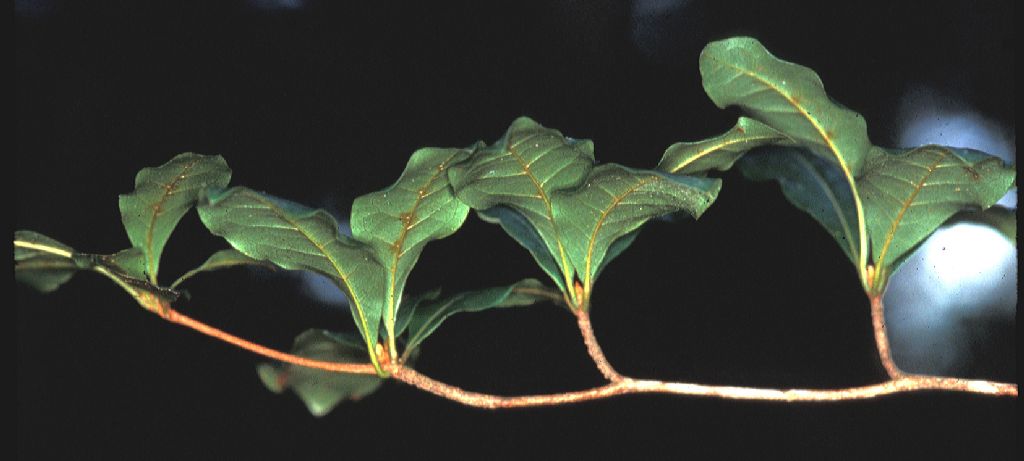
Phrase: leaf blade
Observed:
(520, 171)
(908, 194)
(321, 391)
(722, 151)
(222, 259)
(295, 237)
(430, 314)
(616, 201)
(162, 196)
(791, 99)
(399, 221)
(815, 187)
(42, 262)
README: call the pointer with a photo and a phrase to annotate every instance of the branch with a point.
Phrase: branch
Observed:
(882, 338)
(623, 386)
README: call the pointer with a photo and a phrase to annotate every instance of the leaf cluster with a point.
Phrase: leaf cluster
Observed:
(548, 192)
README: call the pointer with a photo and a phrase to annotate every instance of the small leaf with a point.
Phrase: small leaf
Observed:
(131, 261)
(813, 185)
(222, 259)
(908, 194)
(430, 314)
(162, 196)
(409, 305)
(398, 222)
(720, 152)
(520, 172)
(614, 202)
(320, 390)
(42, 262)
(294, 237)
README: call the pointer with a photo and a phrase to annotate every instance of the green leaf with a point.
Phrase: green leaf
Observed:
(719, 152)
(614, 202)
(521, 171)
(45, 264)
(320, 390)
(294, 237)
(520, 229)
(398, 222)
(615, 249)
(785, 96)
(429, 314)
(42, 262)
(162, 196)
(908, 194)
(222, 259)
(409, 305)
(131, 261)
(1003, 220)
(813, 185)
(791, 99)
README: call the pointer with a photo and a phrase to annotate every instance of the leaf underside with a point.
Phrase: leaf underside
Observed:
(814, 186)
(162, 196)
(908, 194)
(37, 265)
(520, 172)
(294, 237)
(785, 96)
(430, 313)
(321, 390)
(720, 152)
(398, 222)
(222, 259)
(614, 202)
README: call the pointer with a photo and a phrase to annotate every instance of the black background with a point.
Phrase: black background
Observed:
(324, 103)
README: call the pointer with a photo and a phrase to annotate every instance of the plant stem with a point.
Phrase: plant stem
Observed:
(882, 338)
(630, 386)
(174, 316)
(624, 386)
(593, 348)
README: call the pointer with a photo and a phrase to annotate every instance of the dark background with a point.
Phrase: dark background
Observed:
(325, 102)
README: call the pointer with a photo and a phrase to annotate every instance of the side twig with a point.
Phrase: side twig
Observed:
(594, 349)
(882, 338)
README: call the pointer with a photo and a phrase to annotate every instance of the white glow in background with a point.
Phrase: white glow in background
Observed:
(962, 272)
(321, 288)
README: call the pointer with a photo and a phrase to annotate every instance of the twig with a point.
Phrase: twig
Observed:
(882, 338)
(593, 348)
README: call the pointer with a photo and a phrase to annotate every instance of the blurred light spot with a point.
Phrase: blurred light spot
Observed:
(322, 289)
(273, 5)
(927, 117)
(962, 273)
(663, 29)
(34, 8)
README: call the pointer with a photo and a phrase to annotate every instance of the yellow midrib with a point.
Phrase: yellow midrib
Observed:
(157, 209)
(400, 242)
(862, 256)
(890, 236)
(717, 147)
(44, 248)
(334, 263)
(547, 203)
